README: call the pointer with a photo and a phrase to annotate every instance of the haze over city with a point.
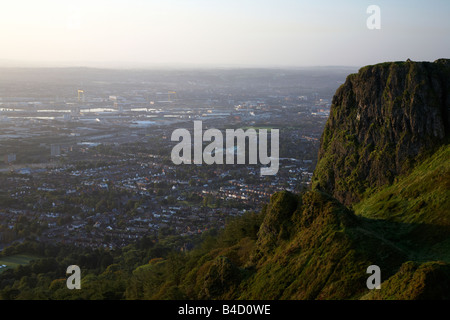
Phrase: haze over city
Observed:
(199, 33)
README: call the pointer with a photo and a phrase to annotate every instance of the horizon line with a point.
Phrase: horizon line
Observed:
(17, 64)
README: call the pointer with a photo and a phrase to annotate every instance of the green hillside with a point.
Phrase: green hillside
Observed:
(415, 211)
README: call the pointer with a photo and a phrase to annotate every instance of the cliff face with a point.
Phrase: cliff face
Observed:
(383, 120)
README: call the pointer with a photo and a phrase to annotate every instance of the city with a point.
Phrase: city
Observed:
(90, 165)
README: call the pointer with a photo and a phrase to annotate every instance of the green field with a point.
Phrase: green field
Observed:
(14, 261)
(258, 128)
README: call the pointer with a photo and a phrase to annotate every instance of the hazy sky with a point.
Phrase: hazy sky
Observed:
(135, 33)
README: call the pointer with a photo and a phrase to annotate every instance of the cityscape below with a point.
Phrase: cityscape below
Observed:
(87, 151)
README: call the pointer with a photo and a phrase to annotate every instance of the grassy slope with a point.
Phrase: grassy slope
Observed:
(15, 260)
(415, 211)
(403, 228)
(326, 256)
(317, 249)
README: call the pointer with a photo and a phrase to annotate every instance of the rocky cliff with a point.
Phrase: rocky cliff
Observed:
(383, 120)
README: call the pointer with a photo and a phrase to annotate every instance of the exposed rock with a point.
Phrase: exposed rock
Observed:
(222, 276)
(382, 121)
(277, 220)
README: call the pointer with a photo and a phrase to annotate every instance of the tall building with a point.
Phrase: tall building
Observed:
(81, 96)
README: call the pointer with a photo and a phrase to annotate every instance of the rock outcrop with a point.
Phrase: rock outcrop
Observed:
(383, 120)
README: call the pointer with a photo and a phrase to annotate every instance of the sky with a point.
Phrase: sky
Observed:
(220, 33)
